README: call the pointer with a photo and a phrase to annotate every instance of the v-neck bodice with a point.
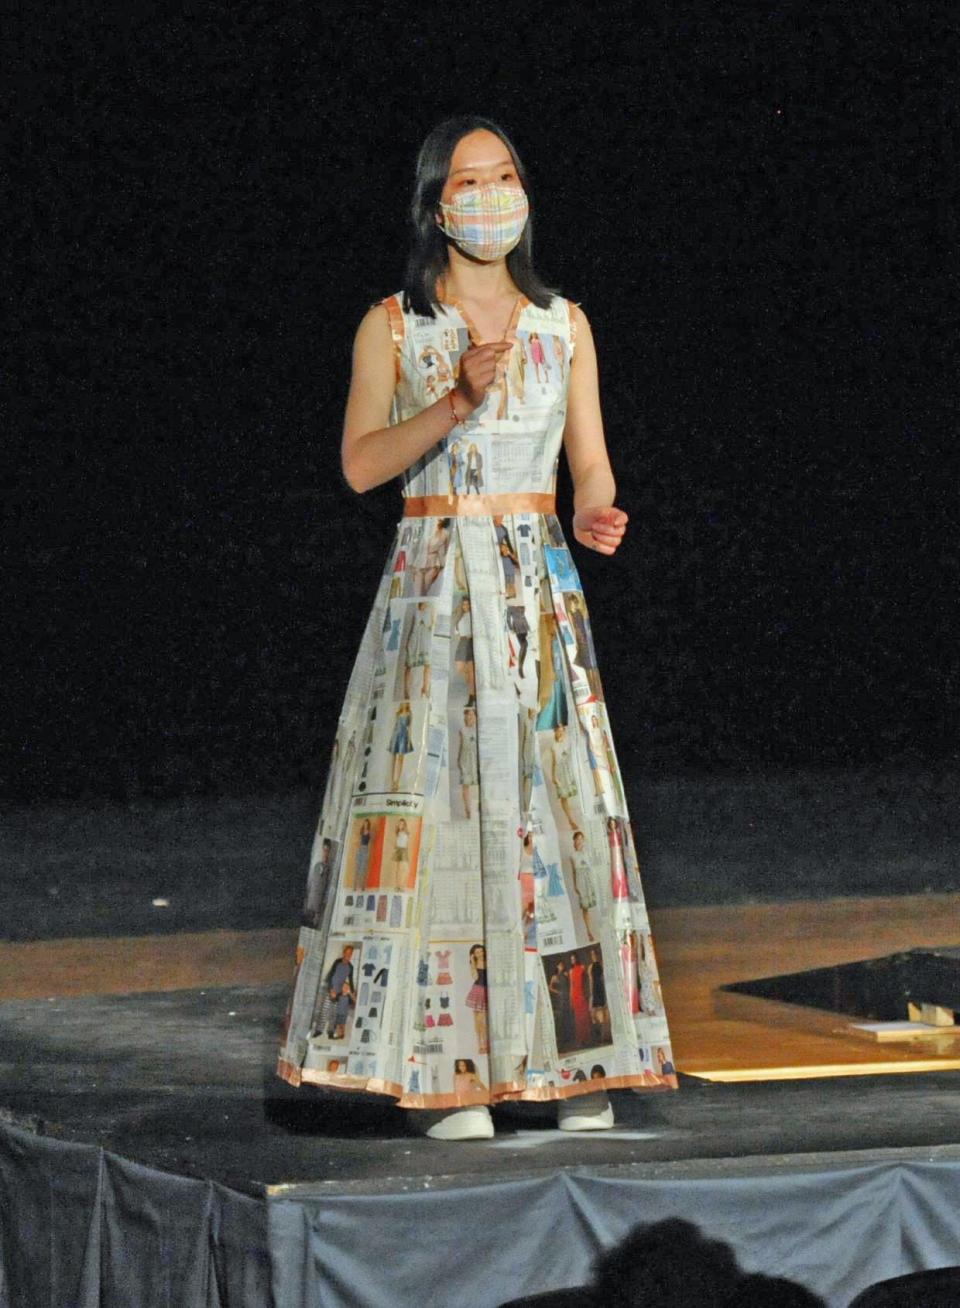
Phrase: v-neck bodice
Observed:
(476, 336)
(511, 443)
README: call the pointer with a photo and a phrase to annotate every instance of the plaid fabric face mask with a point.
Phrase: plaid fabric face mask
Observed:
(486, 221)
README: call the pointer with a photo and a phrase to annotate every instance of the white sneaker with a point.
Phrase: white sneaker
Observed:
(585, 1112)
(457, 1124)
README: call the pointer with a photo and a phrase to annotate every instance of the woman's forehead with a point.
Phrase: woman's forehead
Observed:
(480, 149)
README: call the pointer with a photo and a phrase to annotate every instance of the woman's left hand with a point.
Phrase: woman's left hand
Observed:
(600, 529)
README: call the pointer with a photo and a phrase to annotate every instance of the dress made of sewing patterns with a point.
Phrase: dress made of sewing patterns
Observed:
(474, 925)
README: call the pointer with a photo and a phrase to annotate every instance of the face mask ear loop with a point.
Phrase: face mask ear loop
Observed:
(439, 219)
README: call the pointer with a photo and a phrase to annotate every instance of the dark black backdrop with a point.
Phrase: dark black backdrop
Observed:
(752, 203)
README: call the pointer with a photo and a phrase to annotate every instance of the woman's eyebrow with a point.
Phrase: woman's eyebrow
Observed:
(476, 167)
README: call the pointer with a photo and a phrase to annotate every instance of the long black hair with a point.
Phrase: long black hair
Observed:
(427, 259)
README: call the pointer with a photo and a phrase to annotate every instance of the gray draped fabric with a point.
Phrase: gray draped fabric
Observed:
(83, 1228)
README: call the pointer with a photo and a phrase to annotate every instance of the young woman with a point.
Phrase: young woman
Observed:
(401, 855)
(579, 1002)
(463, 656)
(417, 654)
(562, 774)
(583, 881)
(401, 743)
(362, 864)
(465, 386)
(467, 761)
(477, 1000)
(466, 1081)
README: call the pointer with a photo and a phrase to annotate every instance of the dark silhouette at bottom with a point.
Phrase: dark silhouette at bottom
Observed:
(938, 1288)
(672, 1263)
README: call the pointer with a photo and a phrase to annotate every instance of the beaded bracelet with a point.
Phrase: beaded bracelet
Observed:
(457, 420)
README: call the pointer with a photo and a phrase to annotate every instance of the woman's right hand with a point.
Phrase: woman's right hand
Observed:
(478, 367)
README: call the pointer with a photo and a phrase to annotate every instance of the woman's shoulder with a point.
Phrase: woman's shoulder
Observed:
(380, 321)
(403, 319)
(388, 309)
(561, 317)
(391, 302)
(381, 331)
(398, 304)
(560, 310)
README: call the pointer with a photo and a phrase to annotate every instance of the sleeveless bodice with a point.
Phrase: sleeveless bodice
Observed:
(511, 443)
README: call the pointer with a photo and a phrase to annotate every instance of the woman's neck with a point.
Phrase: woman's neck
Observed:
(479, 283)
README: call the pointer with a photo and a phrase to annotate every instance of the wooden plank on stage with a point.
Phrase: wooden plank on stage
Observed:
(698, 949)
(702, 948)
(121, 965)
(914, 1033)
(774, 1012)
(779, 1013)
(817, 1071)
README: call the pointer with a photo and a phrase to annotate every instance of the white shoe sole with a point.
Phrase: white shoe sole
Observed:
(458, 1124)
(585, 1113)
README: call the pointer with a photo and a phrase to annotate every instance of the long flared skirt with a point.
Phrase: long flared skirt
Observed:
(507, 953)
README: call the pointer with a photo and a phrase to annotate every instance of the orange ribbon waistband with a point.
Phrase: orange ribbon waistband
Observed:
(477, 506)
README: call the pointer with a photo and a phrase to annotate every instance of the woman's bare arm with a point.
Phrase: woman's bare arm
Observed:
(596, 523)
(373, 452)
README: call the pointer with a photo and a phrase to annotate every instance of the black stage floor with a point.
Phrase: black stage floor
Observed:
(240, 863)
(183, 1081)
